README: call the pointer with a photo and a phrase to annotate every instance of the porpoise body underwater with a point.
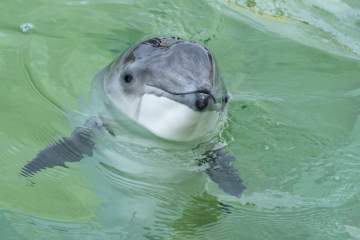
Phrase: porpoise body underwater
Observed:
(167, 85)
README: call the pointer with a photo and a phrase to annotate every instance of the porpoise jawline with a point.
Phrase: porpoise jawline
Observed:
(184, 93)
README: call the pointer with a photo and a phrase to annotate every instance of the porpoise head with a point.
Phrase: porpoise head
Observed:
(170, 86)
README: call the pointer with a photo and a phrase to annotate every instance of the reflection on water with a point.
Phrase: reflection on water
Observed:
(330, 25)
(292, 69)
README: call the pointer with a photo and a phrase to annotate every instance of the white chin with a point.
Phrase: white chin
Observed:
(172, 120)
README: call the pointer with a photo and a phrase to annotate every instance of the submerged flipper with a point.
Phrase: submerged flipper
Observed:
(226, 176)
(80, 143)
(71, 149)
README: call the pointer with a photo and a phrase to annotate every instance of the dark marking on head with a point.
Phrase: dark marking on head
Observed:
(155, 43)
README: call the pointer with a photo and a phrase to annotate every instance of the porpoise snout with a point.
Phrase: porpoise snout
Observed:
(202, 101)
(203, 97)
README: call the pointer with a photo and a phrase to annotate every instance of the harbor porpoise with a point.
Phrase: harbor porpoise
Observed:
(168, 85)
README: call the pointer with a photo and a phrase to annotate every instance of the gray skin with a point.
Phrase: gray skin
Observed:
(180, 70)
(184, 71)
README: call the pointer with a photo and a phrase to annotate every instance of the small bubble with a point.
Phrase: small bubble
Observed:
(26, 27)
(278, 123)
(54, 21)
(336, 178)
(266, 147)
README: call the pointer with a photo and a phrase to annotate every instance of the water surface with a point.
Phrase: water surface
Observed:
(292, 68)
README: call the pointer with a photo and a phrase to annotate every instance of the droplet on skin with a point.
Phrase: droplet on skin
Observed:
(26, 27)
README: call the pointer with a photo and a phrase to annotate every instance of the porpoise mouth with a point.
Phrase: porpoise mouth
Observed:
(203, 91)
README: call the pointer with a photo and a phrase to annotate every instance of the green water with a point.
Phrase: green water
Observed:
(292, 68)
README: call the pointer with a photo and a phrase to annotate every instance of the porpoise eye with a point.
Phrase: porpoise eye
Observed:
(128, 78)
(226, 100)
